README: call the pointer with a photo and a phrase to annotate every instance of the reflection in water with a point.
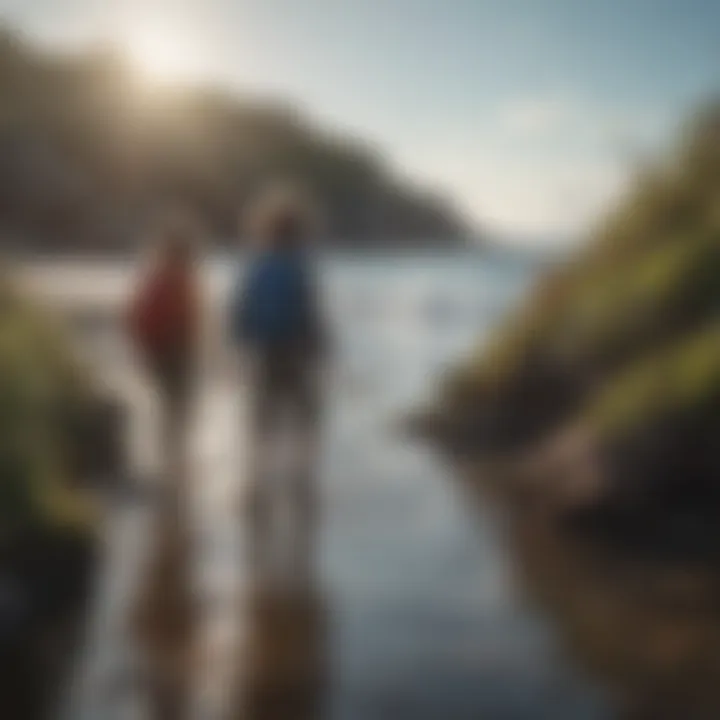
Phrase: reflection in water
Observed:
(283, 423)
(164, 619)
(281, 525)
(424, 624)
(646, 627)
(272, 619)
(282, 671)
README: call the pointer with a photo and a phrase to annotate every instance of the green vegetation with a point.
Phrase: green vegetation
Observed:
(628, 331)
(88, 149)
(684, 378)
(40, 385)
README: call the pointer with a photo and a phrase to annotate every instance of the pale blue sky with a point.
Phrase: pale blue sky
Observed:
(522, 110)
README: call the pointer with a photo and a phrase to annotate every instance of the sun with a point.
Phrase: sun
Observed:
(160, 54)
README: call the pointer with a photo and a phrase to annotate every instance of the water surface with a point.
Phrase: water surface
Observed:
(417, 610)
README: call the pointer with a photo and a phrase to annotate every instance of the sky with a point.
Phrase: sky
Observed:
(529, 114)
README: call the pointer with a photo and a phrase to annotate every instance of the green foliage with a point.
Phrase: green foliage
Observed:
(624, 315)
(683, 377)
(624, 306)
(39, 380)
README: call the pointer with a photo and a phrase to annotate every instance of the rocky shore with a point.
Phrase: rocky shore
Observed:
(601, 395)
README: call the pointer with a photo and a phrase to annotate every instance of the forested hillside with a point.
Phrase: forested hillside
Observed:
(89, 149)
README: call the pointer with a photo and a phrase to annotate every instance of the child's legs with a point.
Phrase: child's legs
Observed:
(282, 391)
(262, 419)
(305, 405)
(174, 381)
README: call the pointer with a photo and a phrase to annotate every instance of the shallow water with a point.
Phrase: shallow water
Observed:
(418, 610)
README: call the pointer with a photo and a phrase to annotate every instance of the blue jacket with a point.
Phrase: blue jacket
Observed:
(275, 304)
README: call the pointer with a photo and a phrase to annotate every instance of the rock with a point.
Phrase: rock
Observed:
(96, 436)
(45, 585)
(566, 471)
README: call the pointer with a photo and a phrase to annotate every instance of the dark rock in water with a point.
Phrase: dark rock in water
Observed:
(425, 425)
(661, 490)
(652, 490)
(512, 417)
(96, 434)
(663, 533)
(45, 585)
(672, 461)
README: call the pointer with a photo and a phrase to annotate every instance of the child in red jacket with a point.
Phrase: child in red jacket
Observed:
(164, 325)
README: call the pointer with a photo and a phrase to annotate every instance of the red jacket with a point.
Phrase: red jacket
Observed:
(164, 312)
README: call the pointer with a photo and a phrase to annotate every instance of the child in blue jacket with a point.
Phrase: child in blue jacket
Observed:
(277, 322)
(275, 313)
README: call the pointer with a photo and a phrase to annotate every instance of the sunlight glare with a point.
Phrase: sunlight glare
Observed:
(161, 55)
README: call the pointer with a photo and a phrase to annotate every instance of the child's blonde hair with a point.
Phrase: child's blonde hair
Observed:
(176, 236)
(283, 215)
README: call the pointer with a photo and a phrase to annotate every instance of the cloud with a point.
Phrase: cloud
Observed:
(535, 116)
(568, 118)
(550, 199)
(537, 189)
(550, 166)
